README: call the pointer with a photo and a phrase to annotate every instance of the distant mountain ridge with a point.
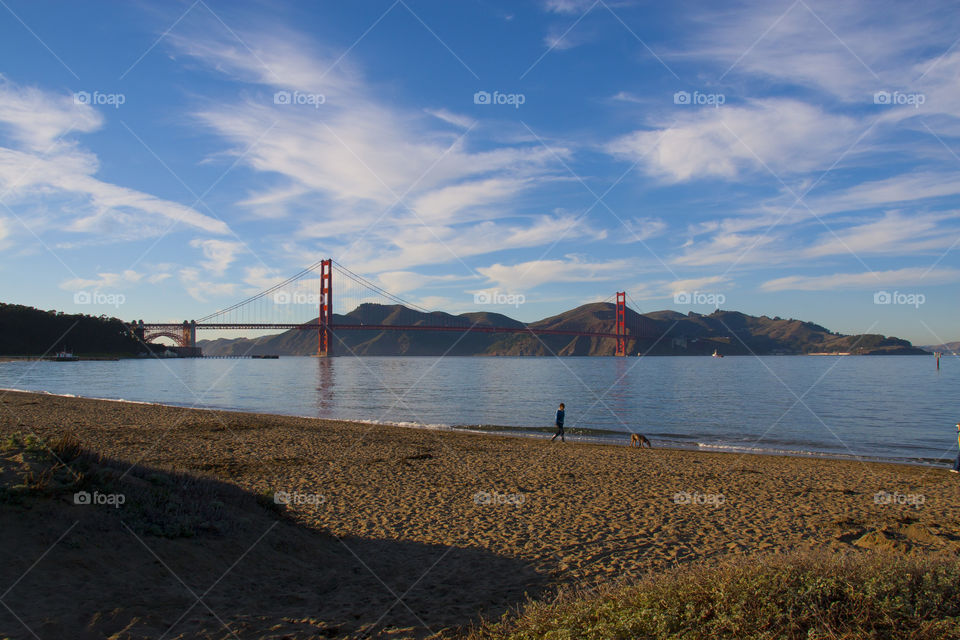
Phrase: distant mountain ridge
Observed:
(946, 347)
(729, 332)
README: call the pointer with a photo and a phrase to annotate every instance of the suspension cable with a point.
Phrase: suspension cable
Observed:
(366, 283)
(297, 276)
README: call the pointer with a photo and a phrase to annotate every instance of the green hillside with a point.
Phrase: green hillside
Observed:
(25, 331)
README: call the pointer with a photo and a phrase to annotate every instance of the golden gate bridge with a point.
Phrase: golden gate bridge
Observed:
(313, 288)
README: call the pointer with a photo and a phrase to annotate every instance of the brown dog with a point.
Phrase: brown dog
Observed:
(639, 440)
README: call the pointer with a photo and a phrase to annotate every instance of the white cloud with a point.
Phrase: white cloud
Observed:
(847, 50)
(261, 278)
(404, 247)
(445, 203)
(698, 284)
(457, 120)
(908, 187)
(895, 233)
(104, 281)
(911, 276)
(364, 155)
(353, 158)
(51, 167)
(780, 135)
(567, 6)
(561, 38)
(282, 58)
(38, 119)
(626, 96)
(202, 290)
(527, 275)
(729, 248)
(219, 254)
(402, 281)
(642, 229)
(275, 203)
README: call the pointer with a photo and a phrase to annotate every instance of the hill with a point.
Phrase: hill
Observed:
(729, 332)
(28, 331)
(946, 347)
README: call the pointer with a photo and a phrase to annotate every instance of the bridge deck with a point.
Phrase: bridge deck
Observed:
(381, 327)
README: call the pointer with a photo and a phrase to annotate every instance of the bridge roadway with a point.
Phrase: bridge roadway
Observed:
(315, 326)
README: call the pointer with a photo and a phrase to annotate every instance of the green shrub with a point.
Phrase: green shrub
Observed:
(810, 595)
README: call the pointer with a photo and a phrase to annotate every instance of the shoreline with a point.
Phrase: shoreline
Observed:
(536, 434)
(461, 525)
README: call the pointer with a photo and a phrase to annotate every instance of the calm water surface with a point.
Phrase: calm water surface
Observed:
(895, 407)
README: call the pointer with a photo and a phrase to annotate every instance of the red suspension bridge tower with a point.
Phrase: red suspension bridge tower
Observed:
(325, 341)
(621, 328)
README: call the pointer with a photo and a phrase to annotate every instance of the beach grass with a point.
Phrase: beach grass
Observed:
(801, 595)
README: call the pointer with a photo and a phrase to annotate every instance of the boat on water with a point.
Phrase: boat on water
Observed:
(716, 354)
(65, 356)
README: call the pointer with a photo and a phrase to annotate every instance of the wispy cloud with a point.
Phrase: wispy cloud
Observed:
(392, 182)
(50, 164)
(910, 276)
(105, 281)
(780, 135)
(567, 6)
(219, 254)
(204, 290)
(449, 117)
(527, 275)
(697, 284)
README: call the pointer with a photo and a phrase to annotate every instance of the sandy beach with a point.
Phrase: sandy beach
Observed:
(400, 532)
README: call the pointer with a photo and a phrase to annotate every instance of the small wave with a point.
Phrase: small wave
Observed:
(390, 423)
(769, 450)
(861, 457)
(72, 395)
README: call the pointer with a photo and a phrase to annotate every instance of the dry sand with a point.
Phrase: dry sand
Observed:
(406, 532)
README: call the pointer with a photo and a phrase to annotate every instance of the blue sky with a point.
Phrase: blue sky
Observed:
(793, 159)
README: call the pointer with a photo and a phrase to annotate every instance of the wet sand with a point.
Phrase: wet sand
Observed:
(406, 532)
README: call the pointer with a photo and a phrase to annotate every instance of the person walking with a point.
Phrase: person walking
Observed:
(956, 464)
(560, 414)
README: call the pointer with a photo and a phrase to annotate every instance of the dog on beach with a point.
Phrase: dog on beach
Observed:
(637, 440)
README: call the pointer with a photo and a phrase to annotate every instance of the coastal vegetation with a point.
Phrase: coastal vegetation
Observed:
(26, 331)
(802, 595)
